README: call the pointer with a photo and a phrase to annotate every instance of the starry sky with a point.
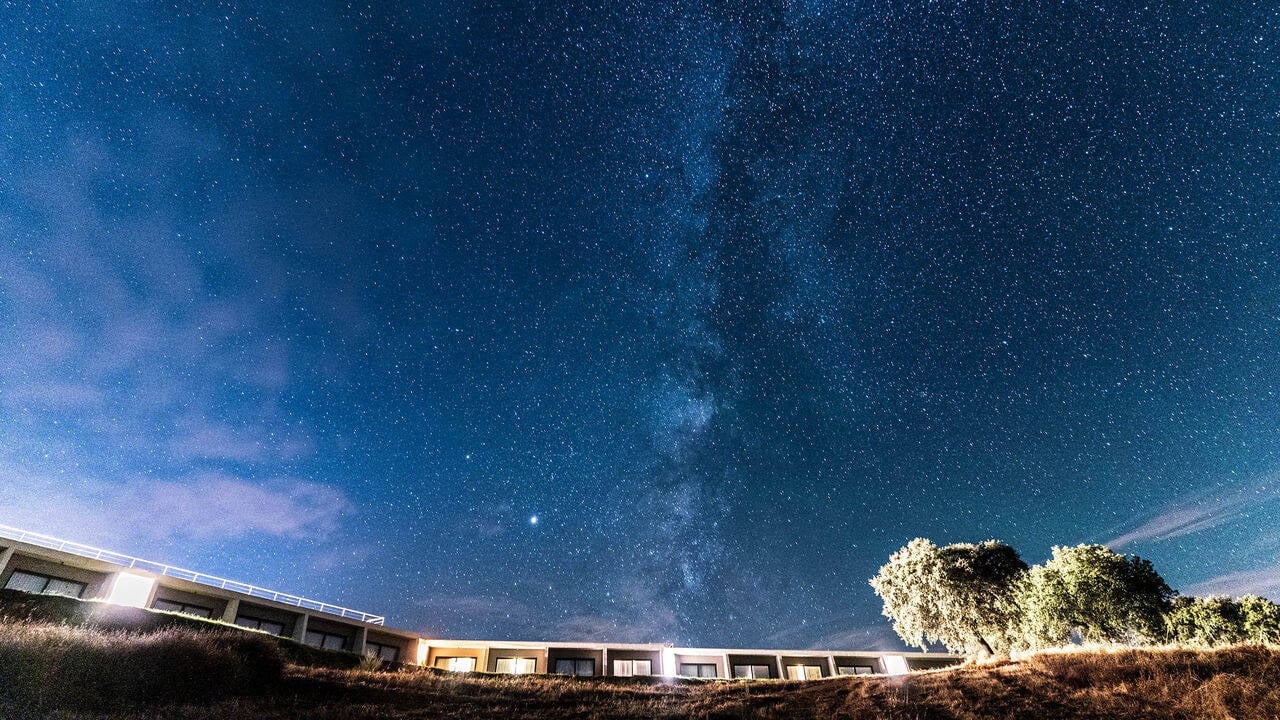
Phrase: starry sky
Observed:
(734, 298)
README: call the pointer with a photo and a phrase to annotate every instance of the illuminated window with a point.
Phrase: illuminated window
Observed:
(517, 666)
(44, 584)
(182, 607)
(703, 670)
(629, 668)
(575, 666)
(253, 623)
(385, 653)
(804, 672)
(456, 664)
(895, 665)
(752, 671)
(855, 670)
(325, 641)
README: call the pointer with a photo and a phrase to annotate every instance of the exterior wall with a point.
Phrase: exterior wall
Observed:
(97, 583)
(930, 663)
(870, 661)
(286, 618)
(819, 661)
(769, 660)
(172, 594)
(98, 574)
(565, 653)
(538, 655)
(324, 625)
(653, 656)
(717, 660)
(408, 646)
(438, 653)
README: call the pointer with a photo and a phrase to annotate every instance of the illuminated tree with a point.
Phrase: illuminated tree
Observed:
(960, 595)
(1205, 621)
(1093, 594)
(1259, 620)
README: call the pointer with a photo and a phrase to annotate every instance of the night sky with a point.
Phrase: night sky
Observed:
(640, 321)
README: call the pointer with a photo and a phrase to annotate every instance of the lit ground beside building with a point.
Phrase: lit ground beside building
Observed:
(38, 563)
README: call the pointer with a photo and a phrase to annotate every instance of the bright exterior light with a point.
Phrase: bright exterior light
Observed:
(668, 663)
(131, 590)
(895, 665)
(424, 648)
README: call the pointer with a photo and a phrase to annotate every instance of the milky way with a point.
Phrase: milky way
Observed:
(640, 321)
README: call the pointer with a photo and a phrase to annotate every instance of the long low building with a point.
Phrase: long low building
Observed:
(39, 563)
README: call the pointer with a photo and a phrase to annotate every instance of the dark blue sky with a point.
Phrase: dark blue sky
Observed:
(735, 298)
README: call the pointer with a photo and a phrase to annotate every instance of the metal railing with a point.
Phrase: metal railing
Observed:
(128, 561)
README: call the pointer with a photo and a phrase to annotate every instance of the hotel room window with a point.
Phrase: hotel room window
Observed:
(181, 607)
(267, 626)
(516, 666)
(44, 584)
(456, 664)
(325, 641)
(386, 653)
(575, 666)
(704, 670)
(629, 668)
(752, 671)
(804, 672)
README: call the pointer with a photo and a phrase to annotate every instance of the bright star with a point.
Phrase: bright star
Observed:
(533, 520)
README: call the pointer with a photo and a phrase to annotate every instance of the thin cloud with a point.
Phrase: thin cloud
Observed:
(1264, 580)
(210, 506)
(1193, 514)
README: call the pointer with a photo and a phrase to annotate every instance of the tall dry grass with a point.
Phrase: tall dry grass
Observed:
(46, 669)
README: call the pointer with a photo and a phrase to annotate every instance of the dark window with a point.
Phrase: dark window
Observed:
(855, 670)
(386, 653)
(325, 641)
(44, 584)
(182, 607)
(751, 671)
(253, 623)
(705, 670)
(575, 666)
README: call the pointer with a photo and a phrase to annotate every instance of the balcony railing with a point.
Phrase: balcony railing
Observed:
(128, 561)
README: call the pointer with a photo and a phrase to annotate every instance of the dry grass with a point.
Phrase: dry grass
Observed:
(45, 669)
(1240, 683)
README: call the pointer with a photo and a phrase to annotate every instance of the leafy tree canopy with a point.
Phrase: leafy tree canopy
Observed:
(960, 595)
(1214, 621)
(1093, 593)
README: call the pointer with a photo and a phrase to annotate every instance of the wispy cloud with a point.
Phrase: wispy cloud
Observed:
(206, 506)
(1264, 580)
(144, 359)
(1196, 513)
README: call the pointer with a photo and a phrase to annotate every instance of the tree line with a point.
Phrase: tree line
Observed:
(983, 599)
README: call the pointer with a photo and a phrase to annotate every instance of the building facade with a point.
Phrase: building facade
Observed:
(38, 563)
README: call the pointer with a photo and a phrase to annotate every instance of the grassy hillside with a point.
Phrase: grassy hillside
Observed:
(51, 671)
(27, 608)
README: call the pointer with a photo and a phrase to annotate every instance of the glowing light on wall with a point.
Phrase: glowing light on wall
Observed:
(131, 590)
(424, 649)
(668, 663)
(895, 665)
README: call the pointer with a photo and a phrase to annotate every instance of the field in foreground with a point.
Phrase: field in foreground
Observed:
(56, 671)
